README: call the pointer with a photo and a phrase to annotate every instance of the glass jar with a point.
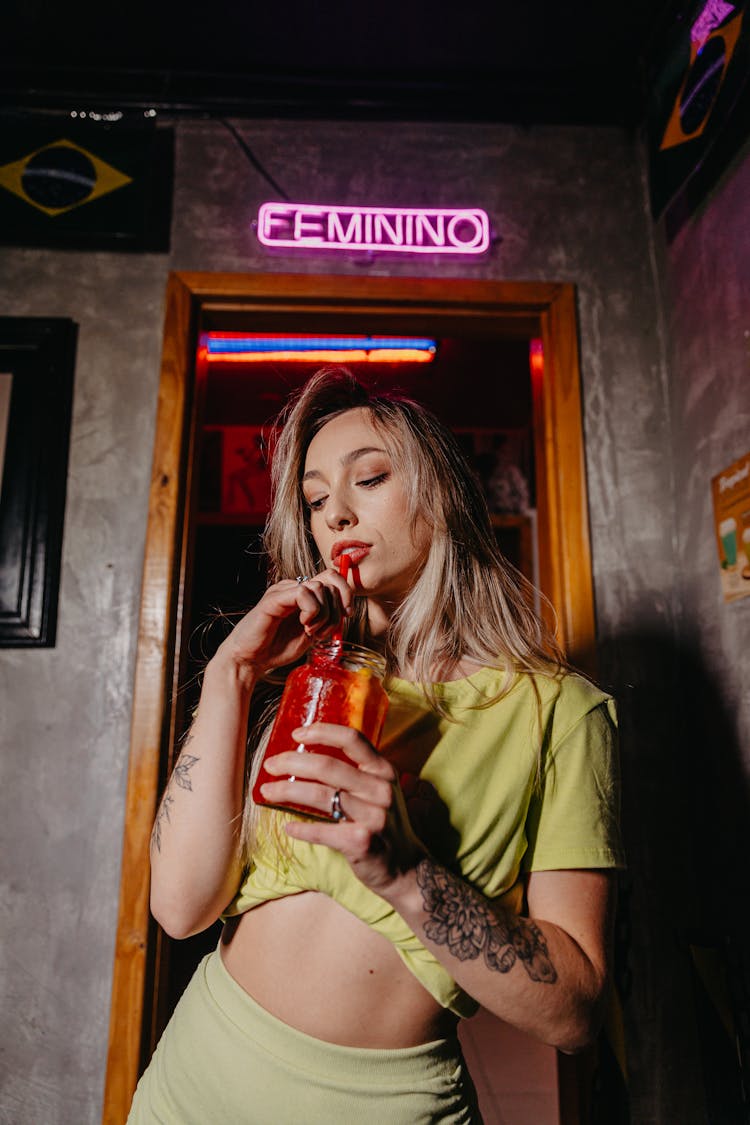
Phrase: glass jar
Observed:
(339, 683)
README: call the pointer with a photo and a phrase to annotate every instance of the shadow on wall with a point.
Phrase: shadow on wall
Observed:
(719, 810)
(682, 964)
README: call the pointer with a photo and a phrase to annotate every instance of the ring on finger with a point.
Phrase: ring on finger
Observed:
(303, 578)
(337, 813)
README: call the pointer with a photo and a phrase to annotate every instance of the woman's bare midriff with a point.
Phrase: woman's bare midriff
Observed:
(318, 968)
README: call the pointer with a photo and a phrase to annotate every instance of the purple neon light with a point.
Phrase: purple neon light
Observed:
(405, 230)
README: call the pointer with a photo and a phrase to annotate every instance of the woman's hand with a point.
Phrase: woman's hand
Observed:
(375, 835)
(288, 618)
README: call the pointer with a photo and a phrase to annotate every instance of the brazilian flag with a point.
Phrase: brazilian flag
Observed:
(699, 104)
(77, 184)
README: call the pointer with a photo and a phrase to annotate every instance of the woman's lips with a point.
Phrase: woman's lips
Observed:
(355, 551)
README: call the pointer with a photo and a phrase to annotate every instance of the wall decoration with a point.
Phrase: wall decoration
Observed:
(699, 101)
(402, 230)
(731, 501)
(235, 476)
(83, 184)
(37, 357)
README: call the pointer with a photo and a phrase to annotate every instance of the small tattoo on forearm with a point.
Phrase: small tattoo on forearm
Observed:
(181, 777)
(461, 919)
(161, 816)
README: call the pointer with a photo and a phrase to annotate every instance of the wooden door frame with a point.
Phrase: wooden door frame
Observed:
(199, 300)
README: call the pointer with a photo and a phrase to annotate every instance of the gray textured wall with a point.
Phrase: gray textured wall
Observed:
(707, 291)
(569, 205)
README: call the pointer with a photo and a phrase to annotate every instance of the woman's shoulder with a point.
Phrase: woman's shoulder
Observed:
(572, 689)
(564, 688)
(570, 701)
(562, 694)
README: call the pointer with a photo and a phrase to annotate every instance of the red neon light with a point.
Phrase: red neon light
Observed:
(404, 230)
(384, 355)
(536, 358)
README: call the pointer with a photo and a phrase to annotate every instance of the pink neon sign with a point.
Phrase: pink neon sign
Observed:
(403, 230)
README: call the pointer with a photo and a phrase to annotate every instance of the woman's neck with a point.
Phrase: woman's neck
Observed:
(378, 623)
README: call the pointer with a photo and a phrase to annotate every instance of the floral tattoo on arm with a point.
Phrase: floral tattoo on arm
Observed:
(181, 777)
(462, 919)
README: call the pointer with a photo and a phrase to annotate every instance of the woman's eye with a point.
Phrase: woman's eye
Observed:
(315, 505)
(373, 482)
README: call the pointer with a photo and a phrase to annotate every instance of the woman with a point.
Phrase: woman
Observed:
(472, 861)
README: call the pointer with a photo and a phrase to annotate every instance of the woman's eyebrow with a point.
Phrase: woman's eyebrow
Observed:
(347, 459)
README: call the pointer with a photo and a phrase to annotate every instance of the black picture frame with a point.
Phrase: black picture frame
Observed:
(38, 353)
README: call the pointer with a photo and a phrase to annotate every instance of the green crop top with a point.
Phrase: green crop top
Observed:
(474, 802)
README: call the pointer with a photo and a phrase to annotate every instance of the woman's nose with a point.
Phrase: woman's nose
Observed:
(339, 514)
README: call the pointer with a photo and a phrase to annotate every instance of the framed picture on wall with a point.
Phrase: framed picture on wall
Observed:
(37, 357)
(235, 474)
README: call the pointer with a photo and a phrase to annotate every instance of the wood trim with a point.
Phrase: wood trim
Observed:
(566, 576)
(194, 299)
(152, 676)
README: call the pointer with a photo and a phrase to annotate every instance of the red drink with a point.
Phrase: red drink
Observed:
(340, 683)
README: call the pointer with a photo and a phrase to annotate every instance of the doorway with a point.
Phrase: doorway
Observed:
(483, 332)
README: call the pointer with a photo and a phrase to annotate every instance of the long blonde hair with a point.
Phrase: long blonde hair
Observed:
(468, 601)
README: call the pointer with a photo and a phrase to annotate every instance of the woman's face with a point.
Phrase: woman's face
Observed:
(359, 506)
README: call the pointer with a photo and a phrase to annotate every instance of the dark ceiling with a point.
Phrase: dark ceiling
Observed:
(486, 60)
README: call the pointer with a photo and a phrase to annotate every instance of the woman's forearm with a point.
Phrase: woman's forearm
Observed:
(195, 852)
(530, 972)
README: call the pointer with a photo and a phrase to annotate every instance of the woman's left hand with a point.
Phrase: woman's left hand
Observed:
(374, 834)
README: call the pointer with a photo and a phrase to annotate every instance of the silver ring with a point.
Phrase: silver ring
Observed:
(337, 813)
(303, 578)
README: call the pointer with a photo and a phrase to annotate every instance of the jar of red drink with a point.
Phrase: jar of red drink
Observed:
(339, 683)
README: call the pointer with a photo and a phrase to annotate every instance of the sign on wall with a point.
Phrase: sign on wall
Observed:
(403, 230)
(731, 496)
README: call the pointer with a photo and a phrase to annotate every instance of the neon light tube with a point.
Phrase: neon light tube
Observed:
(404, 230)
(263, 344)
(394, 355)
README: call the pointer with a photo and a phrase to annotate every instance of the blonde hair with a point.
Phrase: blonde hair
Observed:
(468, 601)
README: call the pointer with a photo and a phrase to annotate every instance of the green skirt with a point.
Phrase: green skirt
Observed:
(224, 1060)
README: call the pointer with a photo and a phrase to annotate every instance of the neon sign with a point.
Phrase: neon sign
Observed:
(264, 348)
(403, 230)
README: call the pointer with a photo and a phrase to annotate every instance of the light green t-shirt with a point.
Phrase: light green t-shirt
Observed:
(481, 799)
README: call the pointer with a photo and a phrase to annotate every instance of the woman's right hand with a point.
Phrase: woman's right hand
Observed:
(288, 618)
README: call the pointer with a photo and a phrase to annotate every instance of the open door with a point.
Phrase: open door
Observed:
(551, 541)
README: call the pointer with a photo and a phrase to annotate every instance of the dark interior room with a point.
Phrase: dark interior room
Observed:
(532, 219)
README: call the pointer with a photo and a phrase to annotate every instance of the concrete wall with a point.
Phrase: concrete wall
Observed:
(569, 204)
(707, 298)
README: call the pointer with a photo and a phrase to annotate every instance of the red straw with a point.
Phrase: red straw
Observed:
(338, 632)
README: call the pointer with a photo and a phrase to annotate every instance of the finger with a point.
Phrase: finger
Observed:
(335, 581)
(313, 795)
(332, 774)
(352, 839)
(351, 741)
(314, 604)
(331, 609)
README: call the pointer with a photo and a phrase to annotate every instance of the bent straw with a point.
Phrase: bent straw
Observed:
(338, 633)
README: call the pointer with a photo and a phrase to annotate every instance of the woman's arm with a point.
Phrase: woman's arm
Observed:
(545, 973)
(196, 862)
(195, 853)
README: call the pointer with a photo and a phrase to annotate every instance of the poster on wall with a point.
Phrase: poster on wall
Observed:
(731, 496)
(236, 479)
